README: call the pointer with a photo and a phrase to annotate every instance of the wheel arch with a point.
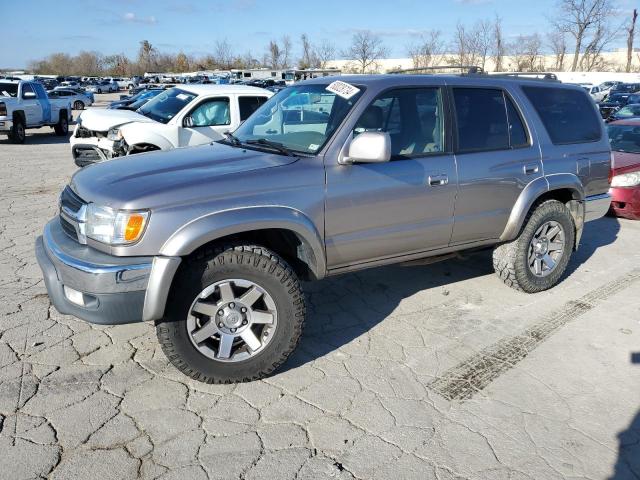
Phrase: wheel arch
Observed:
(564, 187)
(286, 231)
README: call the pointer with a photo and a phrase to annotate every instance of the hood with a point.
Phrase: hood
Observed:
(101, 120)
(181, 175)
(625, 162)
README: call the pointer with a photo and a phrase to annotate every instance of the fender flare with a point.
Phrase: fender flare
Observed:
(134, 135)
(217, 225)
(534, 190)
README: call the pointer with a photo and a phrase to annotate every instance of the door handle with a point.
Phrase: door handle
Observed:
(438, 180)
(531, 168)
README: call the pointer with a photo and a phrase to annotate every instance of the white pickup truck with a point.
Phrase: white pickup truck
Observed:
(26, 105)
(183, 116)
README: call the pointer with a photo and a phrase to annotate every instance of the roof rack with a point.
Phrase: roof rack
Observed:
(470, 69)
(528, 75)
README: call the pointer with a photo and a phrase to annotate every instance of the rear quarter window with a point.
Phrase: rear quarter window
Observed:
(568, 115)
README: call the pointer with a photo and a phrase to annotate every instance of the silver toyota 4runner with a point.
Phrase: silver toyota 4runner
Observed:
(326, 177)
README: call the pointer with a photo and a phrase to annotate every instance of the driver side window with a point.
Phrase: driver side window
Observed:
(413, 118)
(211, 113)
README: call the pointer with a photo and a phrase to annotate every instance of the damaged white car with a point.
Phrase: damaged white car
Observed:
(179, 117)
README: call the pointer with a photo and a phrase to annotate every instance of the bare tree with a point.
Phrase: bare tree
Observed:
(274, 55)
(324, 53)
(223, 54)
(365, 50)
(147, 57)
(481, 41)
(527, 53)
(88, 63)
(498, 44)
(631, 33)
(286, 52)
(429, 51)
(460, 46)
(307, 60)
(581, 19)
(558, 46)
(601, 38)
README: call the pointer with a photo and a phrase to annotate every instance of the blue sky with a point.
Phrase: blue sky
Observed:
(114, 26)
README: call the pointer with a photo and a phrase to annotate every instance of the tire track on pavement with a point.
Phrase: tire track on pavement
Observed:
(474, 374)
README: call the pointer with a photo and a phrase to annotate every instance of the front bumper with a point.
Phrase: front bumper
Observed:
(625, 202)
(98, 287)
(86, 151)
(596, 206)
(5, 125)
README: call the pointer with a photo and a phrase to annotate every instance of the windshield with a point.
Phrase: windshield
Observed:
(9, 89)
(624, 138)
(300, 118)
(162, 108)
(629, 111)
(617, 97)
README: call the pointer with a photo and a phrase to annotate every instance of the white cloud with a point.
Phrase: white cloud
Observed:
(133, 18)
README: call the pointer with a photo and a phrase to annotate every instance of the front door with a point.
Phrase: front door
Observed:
(384, 210)
(207, 122)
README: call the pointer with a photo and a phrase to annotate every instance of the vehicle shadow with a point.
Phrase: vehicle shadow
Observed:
(597, 234)
(627, 466)
(341, 309)
(41, 138)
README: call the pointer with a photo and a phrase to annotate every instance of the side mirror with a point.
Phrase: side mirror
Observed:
(369, 147)
(188, 121)
(28, 95)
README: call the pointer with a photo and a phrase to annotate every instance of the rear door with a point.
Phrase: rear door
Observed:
(383, 210)
(496, 158)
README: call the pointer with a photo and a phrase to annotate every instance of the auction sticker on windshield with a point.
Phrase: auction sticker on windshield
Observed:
(342, 89)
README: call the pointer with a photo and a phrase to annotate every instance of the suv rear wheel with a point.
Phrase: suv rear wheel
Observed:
(538, 257)
(236, 315)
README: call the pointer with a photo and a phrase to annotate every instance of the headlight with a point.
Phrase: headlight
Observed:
(114, 134)
(115, 227)
(626, 180)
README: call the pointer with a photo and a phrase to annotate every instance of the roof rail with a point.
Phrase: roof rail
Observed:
(470, 69)
(528, 75)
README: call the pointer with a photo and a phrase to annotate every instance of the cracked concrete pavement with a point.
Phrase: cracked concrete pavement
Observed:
(424, 372)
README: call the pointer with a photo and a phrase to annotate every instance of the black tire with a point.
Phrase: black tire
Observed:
(252, 263)
(62, 127)
(511, 260)
(78, 105)
(18, 132)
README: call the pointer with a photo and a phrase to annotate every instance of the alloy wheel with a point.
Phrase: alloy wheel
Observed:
(232, 320)
(546, 248)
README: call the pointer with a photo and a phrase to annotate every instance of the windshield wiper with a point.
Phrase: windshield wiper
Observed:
(232, 138)
(275, 145)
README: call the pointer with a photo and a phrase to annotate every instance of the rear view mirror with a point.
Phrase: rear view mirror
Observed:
(188, 121)
(369, 147)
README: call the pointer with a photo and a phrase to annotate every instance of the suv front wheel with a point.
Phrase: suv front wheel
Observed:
(538, 257)
(235, 314)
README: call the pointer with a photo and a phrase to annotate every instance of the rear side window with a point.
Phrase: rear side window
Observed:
(517, 131)
(568, 115)
(248, 105)
(481, 117)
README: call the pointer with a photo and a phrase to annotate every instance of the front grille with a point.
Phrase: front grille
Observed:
(70, 200)
(68, 228)
(72, 212)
